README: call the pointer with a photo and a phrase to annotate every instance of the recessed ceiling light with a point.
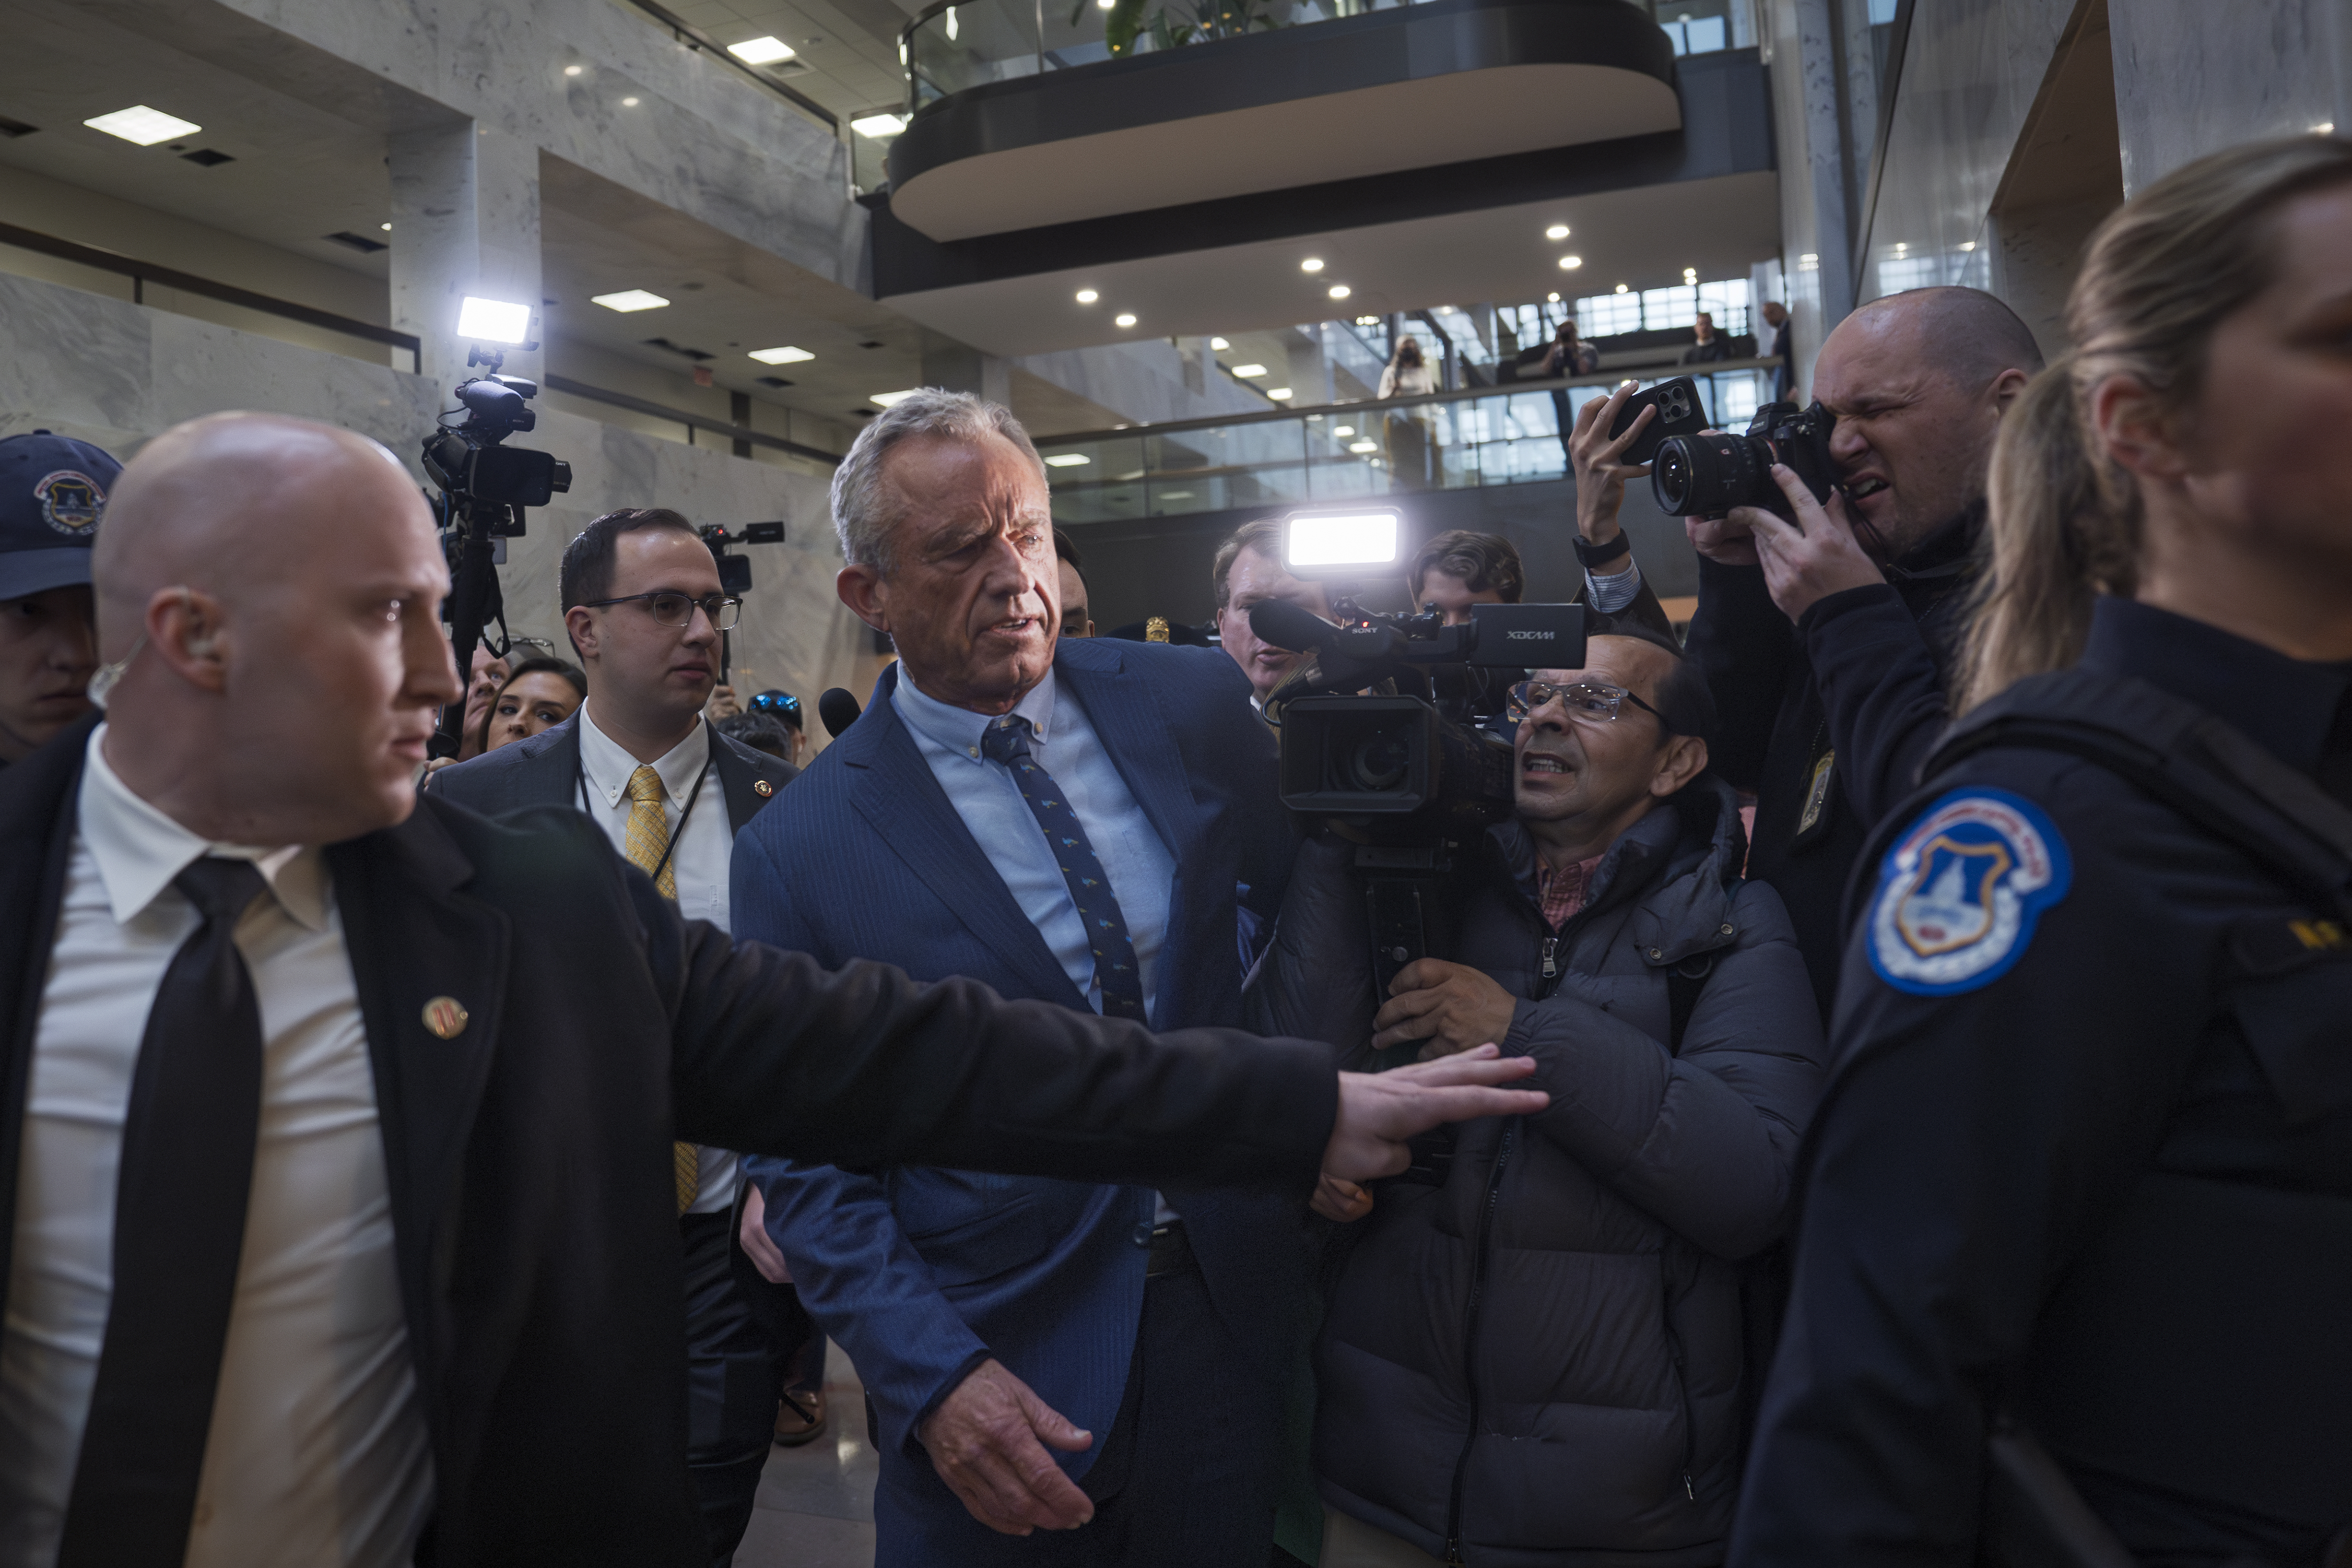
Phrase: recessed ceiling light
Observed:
(1123, 320)
(878, 125)
(1553, 297)
(1807, 259)
(1968, 245)
(1312, 263)
(387, 228)
(784, 356)
(142, 125)
(1175, 495)
(889, 399)
(572, 71)
(1279, 395)
(1067, 459)
(1556, 231)
(1363, 447)
(1246, 372)
(764, 51)
(628, 103)
(1621, 288)
(1088, 297)
(1218, 344)
(2324, 128)
(1340, 291)
(629, 299)
(493, 320)
(1343, 430)
(1570, 263)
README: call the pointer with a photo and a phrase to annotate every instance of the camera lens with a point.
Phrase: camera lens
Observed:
(1694, 474)
(1378, 761)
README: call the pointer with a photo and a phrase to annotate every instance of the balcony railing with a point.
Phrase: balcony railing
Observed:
(1496, 435)
(952, 47)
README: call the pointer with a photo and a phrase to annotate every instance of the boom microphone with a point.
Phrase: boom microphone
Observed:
(839, 710)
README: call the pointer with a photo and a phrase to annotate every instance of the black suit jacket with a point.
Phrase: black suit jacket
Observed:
(544, 769)
(528, 1157)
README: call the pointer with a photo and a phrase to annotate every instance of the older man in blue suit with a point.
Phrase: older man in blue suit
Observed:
(1074, 822)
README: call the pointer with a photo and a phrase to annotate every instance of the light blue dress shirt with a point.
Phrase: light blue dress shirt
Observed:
(1141, 868)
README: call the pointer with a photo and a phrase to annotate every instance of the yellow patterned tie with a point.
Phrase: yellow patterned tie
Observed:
(648, 840)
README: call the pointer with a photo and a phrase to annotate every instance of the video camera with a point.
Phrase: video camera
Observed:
(1709, 473)
(484, 488)
(1405, 773)
(735, 570)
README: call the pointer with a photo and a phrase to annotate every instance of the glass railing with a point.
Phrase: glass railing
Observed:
(952, 47)
(1503, 435)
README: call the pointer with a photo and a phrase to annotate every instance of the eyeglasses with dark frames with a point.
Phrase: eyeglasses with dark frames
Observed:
(1587, 699)
(672, 609)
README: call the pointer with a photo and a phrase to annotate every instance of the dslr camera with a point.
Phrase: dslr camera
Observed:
(1403, 770)
(1708, 473)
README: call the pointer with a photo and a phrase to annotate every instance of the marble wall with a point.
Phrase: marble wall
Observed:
(116, 374)
(2193, 76)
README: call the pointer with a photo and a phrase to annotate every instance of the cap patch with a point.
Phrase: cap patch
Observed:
(71, 502)
(1958, 894)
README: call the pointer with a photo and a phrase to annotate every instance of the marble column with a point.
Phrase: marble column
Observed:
(465, 205)
(2193, 77)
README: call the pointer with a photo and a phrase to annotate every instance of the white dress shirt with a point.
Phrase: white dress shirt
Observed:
(701, 862)
(318, 1452)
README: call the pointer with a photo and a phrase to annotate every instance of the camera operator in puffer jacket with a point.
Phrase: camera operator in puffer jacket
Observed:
(1548, 1349)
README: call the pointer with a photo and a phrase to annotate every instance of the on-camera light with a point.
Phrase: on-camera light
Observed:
(493, 320)
(1314, 543)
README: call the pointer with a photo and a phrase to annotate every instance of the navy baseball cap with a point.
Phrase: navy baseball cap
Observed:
(53, 493)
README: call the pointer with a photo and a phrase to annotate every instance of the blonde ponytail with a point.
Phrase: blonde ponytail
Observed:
(2063, 523)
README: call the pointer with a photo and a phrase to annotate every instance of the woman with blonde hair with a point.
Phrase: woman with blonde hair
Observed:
(2076, 1237)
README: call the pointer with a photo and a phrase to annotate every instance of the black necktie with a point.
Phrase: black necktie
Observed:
(1006, 740)
(179, 1224)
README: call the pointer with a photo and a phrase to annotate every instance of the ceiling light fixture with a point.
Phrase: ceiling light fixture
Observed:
(1122, 320)
(1340, 291)
(628, 299)
(889, 399)
(1621, 288)
(141, 125)
(1570, 263)
(765, 51)
(1553, 297)
(493, 320)
(1067, 459)
(1368, 321)
(784, 356)
(1968, 245)
(628, 103)
(572, 71)
(2324, 128)
(1690, 275)
(1343, 430)
(387, 228)
(1312, 263)
(1279, 395)
(878, 126)
(1247, 372)
(1556, 231)
(1088, 297)
(1218, 344)
(1363, 447)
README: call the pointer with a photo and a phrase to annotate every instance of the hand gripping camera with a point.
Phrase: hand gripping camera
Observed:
(1708, 473)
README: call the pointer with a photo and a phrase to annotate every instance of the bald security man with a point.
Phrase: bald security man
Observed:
(337, 1125)
(1828, 644)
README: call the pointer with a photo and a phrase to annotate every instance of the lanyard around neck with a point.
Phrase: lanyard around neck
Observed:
(580, 783)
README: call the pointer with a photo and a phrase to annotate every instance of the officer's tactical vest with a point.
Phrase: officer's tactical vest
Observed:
(2204, 1341)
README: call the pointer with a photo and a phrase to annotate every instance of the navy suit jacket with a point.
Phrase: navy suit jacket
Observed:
(923, 1274)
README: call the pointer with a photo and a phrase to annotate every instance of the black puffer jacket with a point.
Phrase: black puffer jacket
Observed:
(1583, 1264)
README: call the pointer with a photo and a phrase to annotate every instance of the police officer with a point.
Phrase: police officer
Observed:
(2076, 1219)
(52, 493)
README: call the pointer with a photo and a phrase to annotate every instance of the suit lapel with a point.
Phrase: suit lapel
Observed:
(1133, 728)
(736, 778)
(415, 938)
(37, 798)
(910, 813)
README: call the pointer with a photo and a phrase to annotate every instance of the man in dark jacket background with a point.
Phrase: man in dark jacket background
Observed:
(1826, 643)
(1584, 1264)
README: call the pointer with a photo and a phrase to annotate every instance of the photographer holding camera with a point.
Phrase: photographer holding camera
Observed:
(1827, 639)
(1606, 932)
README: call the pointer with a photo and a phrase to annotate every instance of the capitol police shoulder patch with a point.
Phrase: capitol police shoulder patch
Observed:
(1958, 894)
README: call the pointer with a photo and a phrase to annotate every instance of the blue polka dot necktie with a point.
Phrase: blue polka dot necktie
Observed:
(1006, 740)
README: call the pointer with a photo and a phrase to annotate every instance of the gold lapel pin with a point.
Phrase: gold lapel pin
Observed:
(763, 789)
(446, 1017)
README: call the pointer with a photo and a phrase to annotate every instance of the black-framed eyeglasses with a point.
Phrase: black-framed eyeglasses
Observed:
(678, 609)
(1588, 699)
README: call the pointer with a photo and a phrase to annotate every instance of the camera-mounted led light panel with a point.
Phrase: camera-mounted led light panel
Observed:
(493, 320)
(1339, 544)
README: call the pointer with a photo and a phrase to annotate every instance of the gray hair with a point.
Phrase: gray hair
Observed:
(864, 507)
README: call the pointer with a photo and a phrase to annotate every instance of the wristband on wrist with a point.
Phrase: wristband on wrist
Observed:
(1592, 555)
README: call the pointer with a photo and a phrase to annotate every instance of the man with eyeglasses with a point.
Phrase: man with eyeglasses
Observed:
(1606, 932)
(644, 606)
